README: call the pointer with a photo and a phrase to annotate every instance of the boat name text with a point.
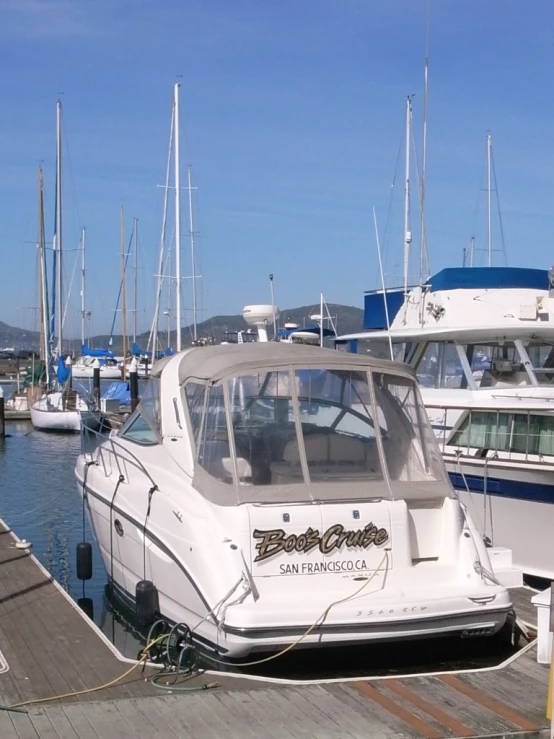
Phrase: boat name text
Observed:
(274, 541)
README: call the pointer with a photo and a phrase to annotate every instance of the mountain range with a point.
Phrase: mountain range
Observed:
(347, 319)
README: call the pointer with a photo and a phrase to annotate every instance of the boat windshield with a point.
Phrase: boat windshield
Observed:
(309, 426)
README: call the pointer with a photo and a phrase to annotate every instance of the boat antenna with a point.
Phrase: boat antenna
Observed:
(407, 231)
(273, 305)
(383, 282)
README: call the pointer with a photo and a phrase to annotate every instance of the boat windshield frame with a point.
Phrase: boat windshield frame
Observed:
(362, 468)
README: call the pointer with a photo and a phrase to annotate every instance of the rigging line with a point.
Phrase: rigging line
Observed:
(499, 211)
(73, 188)
(393, 184)
(121, 283)
(477, 204)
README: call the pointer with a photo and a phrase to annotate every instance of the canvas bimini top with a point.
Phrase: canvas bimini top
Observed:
(212, 363)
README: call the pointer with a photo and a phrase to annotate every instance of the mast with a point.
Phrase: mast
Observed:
(489, 207)
(407, 232)
(123, 291)
(177, 221)
(191, 236)
(154, 331)
(43, 287)
(58, 234)
(83, 312)
(423, 258)
(135, 231)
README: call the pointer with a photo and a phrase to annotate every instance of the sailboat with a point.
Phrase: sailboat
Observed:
(60, 409)
(83, 368)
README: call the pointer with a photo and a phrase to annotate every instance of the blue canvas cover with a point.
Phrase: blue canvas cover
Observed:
(119, 390)
(489, 278)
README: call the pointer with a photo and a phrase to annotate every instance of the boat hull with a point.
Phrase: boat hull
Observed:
(517, 511)
(49, 414)
(87, 372)
(415, 608)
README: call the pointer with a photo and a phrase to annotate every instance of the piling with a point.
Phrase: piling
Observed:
(96, 382)
(2, 414)
(68, 364)
(133, 384)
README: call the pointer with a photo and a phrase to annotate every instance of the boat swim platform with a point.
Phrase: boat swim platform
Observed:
(50, 648)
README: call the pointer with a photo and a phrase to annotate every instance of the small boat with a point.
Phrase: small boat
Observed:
(60, 408)
(277, 494)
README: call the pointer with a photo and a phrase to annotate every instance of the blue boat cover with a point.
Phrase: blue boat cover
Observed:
(62, 372)
(468, 278)
(375, 318)
(119, 390)
(100, 353)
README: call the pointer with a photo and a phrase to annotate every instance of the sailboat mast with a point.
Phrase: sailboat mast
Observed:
(42, 307)
(407, 232)
(192, 257)
(177, 220)
(135, 231)
(58, 276)
(83, 312)
(123, 290)
(154, 331)
(489, 206)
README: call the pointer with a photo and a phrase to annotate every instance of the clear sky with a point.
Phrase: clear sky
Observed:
(292, 116)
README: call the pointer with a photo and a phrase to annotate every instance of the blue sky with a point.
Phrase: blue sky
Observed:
(292, 115)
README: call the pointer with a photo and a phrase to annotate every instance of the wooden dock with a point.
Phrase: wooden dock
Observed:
(51, 649)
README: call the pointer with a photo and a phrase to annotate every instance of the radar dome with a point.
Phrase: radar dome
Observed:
(259, 314)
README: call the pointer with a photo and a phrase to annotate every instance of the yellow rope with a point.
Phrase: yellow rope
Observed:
(142, 660)
(144, 655)
(316, 623)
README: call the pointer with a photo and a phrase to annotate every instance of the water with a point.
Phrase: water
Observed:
(40, 501)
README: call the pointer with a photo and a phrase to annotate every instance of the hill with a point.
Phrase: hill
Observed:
(348, 319)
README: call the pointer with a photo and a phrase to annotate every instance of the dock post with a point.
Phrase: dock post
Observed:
(550, 703)
(69, 365)
(96, 382)
(133, 383)
(2, 414)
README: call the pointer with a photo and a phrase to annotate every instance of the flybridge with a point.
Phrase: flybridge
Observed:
(453, 278)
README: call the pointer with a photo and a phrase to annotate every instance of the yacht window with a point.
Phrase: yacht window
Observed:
(150, 402)
(410, 447)
(214, 452)
(337, 424)
(440, 366)
(194, 394)
(518, 433)
(484, 430)
(542, 359)
(137, 428)
(263, 425)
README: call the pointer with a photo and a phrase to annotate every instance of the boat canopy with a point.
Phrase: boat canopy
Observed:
(274, 423)
(212, 363)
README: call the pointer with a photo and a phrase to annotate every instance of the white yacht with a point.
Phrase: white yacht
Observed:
(277, 494)
(481, 340)
(64, 410)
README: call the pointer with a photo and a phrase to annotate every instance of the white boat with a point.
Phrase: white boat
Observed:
(278, 494)
(481, 341)
(64, 411)
(83, 369)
